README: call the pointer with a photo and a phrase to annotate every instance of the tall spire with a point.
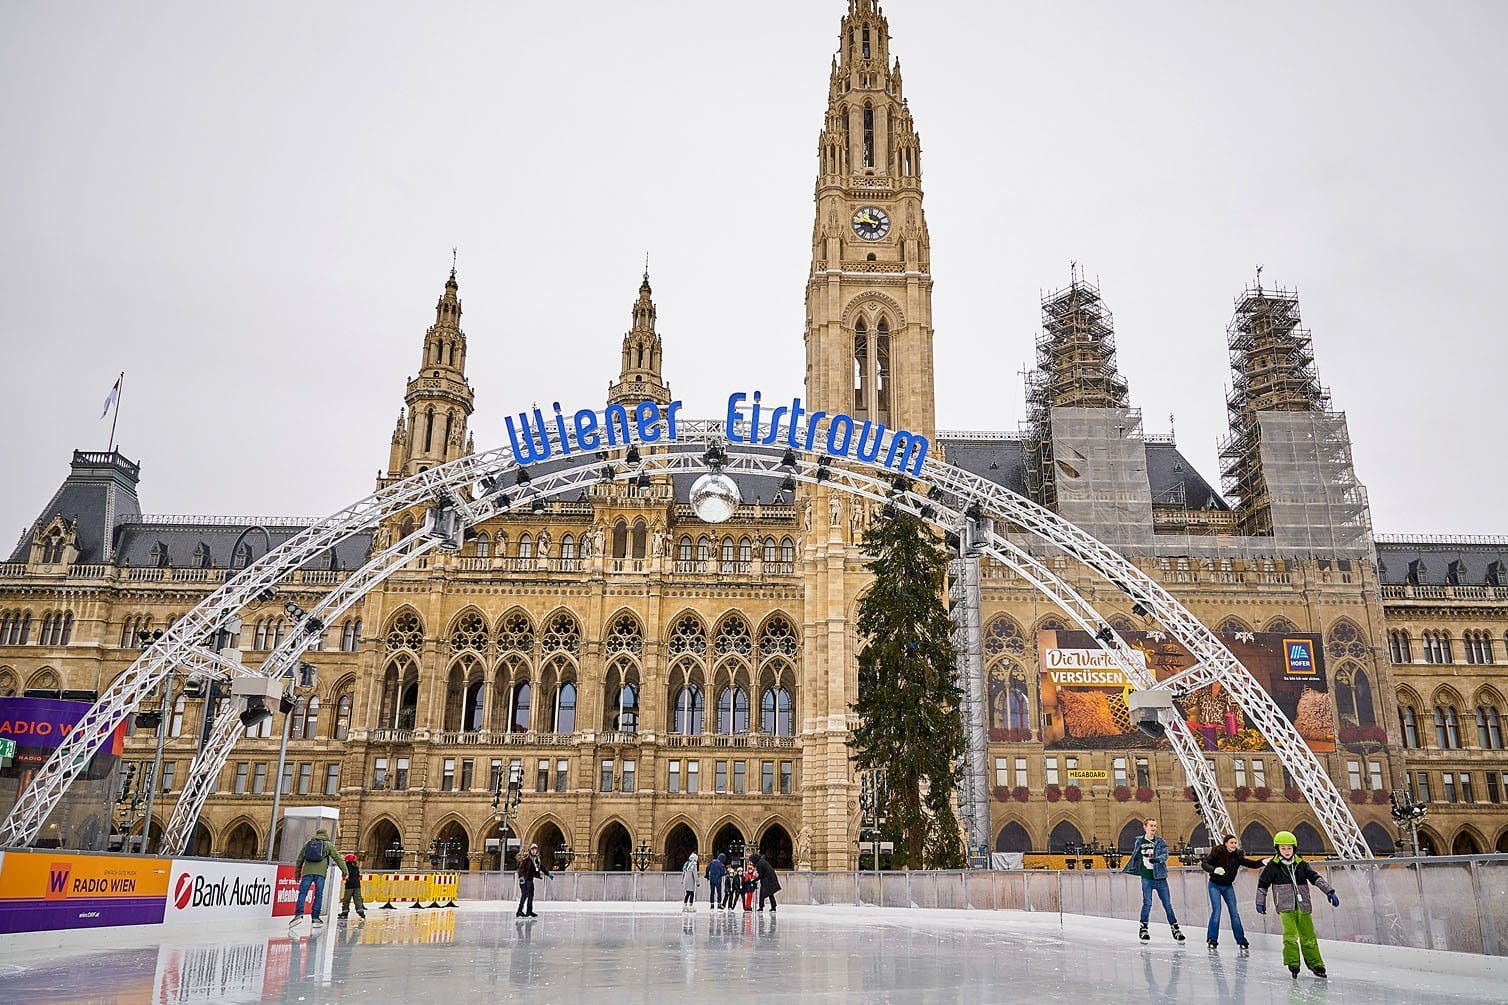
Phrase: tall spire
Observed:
(438, 400)
(640, 377)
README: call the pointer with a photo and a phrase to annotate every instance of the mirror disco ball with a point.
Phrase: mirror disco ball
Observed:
(714, 497)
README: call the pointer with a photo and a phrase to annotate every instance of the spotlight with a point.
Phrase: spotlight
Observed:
(889, 512)
(928, 513)
(935, 494)
(523, 478)
(823, 474)
(974, 512)
(504, 501)
(1140, 611)
(632, 456)
(607, 473)
(641, 482)
(314, 626)
(307, 674)
(294, 611)
(256, 712)
(788, 460)
(488, 484)
(714, 456)
(1105, 634)
(789, 484)
(148, 720)
(285, 704)
(267, 593)
(901, 484)
(952, 540)
(537, 505)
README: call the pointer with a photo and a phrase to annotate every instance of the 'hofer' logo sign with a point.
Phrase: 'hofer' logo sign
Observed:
(1298, 657)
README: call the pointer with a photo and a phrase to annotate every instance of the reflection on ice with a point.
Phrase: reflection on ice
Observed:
(654, 953)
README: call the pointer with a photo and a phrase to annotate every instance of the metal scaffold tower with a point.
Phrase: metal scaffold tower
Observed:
(1075, 368)
(1287, 460)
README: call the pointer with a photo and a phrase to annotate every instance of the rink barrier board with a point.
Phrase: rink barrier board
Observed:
(414, 890)
(1448, 903)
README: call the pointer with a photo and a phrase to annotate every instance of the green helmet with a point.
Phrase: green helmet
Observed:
(1284, 837)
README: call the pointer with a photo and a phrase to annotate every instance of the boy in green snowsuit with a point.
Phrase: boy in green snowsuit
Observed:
(1289, 876)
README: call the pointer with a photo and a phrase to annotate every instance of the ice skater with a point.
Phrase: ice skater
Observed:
(1289, 878)
(769, 883)
(732, 884)
(1149, 860)
(353, 891)
(689, 878)
(530, 868)
(314, 861)
(715, 871)
(1223, 863)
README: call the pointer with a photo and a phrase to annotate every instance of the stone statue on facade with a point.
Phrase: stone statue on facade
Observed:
(804, 849)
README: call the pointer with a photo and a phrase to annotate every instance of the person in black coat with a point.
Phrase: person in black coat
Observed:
(769, 883)
(1222, 864)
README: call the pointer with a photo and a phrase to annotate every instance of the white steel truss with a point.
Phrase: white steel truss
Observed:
(479, 486)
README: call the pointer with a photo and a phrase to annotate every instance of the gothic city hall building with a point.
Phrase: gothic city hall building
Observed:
(669, 684)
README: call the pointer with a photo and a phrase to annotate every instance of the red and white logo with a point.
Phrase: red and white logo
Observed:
(182, 891)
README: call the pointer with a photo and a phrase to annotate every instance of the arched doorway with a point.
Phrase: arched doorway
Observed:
(679, 844)
(1465, 844)
(451, 848)
(1013, 838)
(1429, 843)
(1256, 839)
(731, 840)
(1201, 837)
(614, 848)
(1310, 842)
(1378, 839)
(775, 846)
(383, 847)
(1129, 833)
(551, 843)
(1502, 845)
(241, 842)
(1063, 837)
(199, 841)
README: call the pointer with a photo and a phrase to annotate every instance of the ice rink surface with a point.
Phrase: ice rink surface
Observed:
(653, 953)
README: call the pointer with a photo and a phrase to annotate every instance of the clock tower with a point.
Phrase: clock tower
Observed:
(869, 298)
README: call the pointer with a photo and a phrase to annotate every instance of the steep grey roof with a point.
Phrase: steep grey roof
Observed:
(99, 490)
(1442, 561)
(136, 541)
(1176, 483)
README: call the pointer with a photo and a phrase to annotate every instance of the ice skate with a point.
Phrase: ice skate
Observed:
(1212, 944)
(1320, 972)
(1294, 970)
(1177, 935)
(1143, 934)
(1245, 947)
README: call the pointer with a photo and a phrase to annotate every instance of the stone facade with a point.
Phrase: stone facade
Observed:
(665, 684)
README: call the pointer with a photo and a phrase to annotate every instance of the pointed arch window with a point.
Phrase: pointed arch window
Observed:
(342, 726)
(868, 135)
(733, 710)
(1489, 728)
(775, 718)
(626, 719)
(520, 718)
(429, 429)
(565, 709)
(860, 369)
(483, 545)
(690, 711)
(1409, 720)
(882, 371)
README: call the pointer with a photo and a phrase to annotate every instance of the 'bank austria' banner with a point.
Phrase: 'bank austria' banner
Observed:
(47, 891)
(218, 891)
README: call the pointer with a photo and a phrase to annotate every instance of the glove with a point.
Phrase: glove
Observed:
(1334, 900)
(1261, 908)
(1219, 870)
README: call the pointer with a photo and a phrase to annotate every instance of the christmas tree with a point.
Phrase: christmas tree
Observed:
(908, 706)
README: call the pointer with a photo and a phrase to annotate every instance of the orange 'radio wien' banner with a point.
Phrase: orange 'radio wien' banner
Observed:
(43, 891)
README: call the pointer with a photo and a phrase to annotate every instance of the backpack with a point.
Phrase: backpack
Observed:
(313, 851)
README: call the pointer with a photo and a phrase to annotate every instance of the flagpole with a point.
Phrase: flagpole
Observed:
(120, 385)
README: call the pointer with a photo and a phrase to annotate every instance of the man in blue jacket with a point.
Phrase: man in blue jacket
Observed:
(1149, 860)
(716, 869)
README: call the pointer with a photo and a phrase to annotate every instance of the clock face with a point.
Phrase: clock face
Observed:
(871, 223)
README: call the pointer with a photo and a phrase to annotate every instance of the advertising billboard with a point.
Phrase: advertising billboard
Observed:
(214, 891)
(1084, 694)
(39, 725)
(44, 891)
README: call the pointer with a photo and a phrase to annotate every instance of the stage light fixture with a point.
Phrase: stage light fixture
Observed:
(256, 713)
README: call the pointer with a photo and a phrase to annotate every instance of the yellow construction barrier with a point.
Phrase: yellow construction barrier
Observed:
(416, 890)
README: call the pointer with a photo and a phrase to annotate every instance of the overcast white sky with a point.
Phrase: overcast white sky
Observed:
(250, 209)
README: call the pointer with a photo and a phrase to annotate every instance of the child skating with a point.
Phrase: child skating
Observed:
(1289, 877)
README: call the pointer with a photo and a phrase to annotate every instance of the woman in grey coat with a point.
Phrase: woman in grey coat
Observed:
(690, 876)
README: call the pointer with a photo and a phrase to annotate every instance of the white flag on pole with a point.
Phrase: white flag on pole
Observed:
(110, 399)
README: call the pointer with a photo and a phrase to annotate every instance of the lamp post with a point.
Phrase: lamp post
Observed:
(564, 857)
(1407, 813)
(394, 854)
(301, 685)
(161, 716)
(873, 796)
(504, 804)
(643, 856)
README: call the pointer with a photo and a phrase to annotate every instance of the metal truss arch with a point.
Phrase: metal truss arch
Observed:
(469, 486)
